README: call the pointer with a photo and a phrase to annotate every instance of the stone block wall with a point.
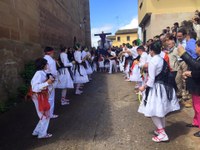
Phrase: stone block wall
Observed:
(27, 26)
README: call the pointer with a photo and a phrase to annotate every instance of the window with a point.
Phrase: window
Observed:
(128, 38)
(118, 38)
(144, 36)
(141, 5)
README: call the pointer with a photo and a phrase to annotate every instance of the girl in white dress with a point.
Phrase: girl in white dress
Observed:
(88, 68)
(159, 98)
(39, 93)
(80, 74)
(101, 63)
(65, 76)
(137, 68)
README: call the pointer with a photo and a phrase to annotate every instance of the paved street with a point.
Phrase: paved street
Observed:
(103, 118)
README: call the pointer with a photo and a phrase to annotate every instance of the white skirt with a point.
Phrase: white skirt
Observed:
(107, 65)
(94, 67)
(136, 75)
(89, 68)
(64, 79)
(157, 102)
(101, 64)
(81, 77)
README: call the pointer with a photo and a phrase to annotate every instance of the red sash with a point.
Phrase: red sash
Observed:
(42, 97)
(43, 100)
(133, 65)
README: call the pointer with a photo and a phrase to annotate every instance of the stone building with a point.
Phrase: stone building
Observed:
(27, 26)
(155, 15)
(124, 36)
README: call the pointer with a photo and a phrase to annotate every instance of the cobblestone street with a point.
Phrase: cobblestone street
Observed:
(105, 117)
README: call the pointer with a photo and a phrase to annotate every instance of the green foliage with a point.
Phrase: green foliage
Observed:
(3, 107)
(14, 98)
(29, 71)
(27, 75)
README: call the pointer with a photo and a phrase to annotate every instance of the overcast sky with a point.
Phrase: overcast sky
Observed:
(111, 15)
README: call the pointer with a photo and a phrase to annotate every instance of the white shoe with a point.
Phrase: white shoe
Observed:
(78, 92)
(35, 133)
(162, 136)
(64, 102)
(54, 116)
(48, 135)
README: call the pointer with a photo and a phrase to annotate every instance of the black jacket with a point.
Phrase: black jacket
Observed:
(193, 83)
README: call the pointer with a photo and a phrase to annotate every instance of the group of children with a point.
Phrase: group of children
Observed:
(62, 74)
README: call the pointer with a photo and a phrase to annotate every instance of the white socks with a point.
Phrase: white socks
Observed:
(160, 132)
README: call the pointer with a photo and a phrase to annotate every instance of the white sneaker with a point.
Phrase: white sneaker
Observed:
(78, 92)
(64, 102)
(48, 135)
(54, 116)
(162, 136)
(35, 133)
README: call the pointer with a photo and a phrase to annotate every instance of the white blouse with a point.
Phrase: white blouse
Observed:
(143, 59)
(77, 56)
(154, 68)
(134, 51)
(51, 68)
(38, 82)
(65, 60)
(83, 54)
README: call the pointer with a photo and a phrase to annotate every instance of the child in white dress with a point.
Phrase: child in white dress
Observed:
(65, 76)
(101, 63)
(80, 74)
(159, 97)
(86, 54)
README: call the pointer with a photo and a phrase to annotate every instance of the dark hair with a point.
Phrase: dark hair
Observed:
(161, 34)
(62, 49)
(176, 24)
(157, 36)
(192, 34)
(141, 47)
(174, 30)
(40, 63)
(198, 43)
(134, 42)
(48, 49)
(156, 47)
(150, 40)
(164, 31)
(183, 31)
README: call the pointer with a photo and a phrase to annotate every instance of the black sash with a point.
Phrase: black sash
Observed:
(77, 66)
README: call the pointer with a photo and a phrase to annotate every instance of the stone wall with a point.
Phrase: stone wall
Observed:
(27, 26)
